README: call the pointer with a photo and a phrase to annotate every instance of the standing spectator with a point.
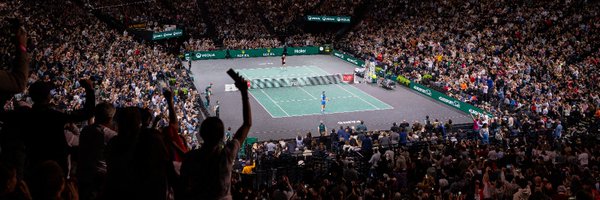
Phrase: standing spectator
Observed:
(322, 129)
(174, 143)
(91, 168)
(206, 172)
(46, 140)
(557, 133)
(361, 127)
(217, 109)
(484, 133)
(128, 157)
(228, 134)
(15, 80)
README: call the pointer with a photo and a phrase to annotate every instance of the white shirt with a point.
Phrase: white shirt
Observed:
(583, 158)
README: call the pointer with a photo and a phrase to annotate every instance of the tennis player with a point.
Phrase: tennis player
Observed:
(282, 61)
(324, 100)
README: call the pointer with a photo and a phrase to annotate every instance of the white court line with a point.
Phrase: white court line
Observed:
(259, 103)
(287, 76)
(274, 102)
(355, 88)
(328, 113)
(376, 108)
(263, 106)
(307, 93)
(297, 100)
(315, 67)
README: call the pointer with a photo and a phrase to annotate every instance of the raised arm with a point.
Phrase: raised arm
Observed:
(241, 84)
(15, 80)
(90, 102)
(172, 115)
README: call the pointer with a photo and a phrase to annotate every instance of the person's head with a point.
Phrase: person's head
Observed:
(8, 179)
(146, 115)
(323, 92)
(129, 121)
(211, 131)
(48, 182)
(104, 113)
(40, 92)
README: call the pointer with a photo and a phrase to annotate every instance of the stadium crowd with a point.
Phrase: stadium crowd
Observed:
(532, 65)
(239, 26)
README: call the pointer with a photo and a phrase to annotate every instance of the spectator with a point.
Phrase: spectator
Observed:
(129, 154)
(47, 139)
(92, 161)
(10, 186)
(15, 80)
(361, 127)
(199, 167)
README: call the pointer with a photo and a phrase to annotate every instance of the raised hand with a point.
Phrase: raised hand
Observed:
(168, 94)
(240, 82)
(86, 83)
(22, 36)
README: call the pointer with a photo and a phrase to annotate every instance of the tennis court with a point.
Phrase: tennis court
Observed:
(305, 100)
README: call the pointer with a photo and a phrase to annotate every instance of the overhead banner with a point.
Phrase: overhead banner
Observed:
(167, 34)
(349, 58)
(137, 26)
(324, 18)
(251, 53)
(310, 50)
(206, 55)
(452, 102)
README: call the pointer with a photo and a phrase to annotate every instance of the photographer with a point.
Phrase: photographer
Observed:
(15, 79)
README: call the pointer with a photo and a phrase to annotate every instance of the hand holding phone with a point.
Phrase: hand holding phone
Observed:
(240, 82)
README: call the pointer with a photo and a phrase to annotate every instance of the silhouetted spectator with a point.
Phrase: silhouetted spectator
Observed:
(45, 138)
(129, 156)
(92, 150)
(207, 171)
(15, 80)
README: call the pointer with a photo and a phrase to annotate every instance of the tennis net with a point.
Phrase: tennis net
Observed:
(297, 81)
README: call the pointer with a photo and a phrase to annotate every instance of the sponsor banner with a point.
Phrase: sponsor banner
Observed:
(349, 58)
(137, 26)
(205, 55)
(309, 50)
(250, 53)
(452, 102)
(324, 18)
(348, 78)
(326, 49)
(167, 34)
(230, 88)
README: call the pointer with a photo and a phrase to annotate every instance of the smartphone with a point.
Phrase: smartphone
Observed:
(232, 73)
